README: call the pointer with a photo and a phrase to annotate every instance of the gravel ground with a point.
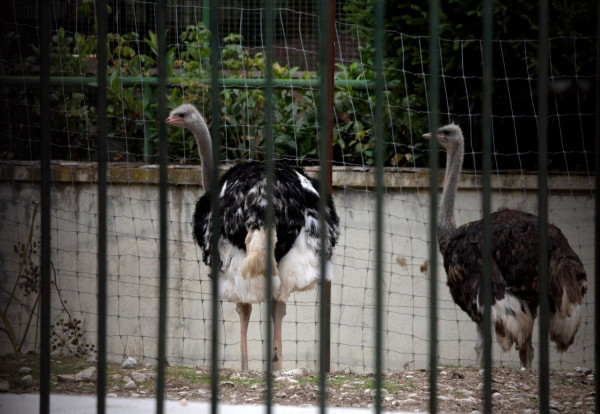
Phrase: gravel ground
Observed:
(459, 388)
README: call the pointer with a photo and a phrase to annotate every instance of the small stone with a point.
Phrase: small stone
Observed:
(27, 380)
(388, 399)
(293, 381)
(496, 395)
(129, 363)
(24, 370)
(409, 376)
(454, 407)
(111, 395)
(226, 384)
(131, 385)
(138, 376)
(347, 386)
(116, 377)
(4, 386)
(520, 396)
(202, 393)
(481, 372)
(280, 379)
(134, 395)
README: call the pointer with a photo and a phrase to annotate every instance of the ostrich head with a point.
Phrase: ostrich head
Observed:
(449, 136)
(185, 116)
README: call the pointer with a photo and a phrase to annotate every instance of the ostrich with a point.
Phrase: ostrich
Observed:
(242, 242)
(514, 267)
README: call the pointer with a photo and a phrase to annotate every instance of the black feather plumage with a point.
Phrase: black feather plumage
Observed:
(243, 205)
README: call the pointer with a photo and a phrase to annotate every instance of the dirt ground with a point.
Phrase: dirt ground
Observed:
(459, 388)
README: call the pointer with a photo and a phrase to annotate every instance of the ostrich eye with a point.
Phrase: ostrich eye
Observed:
(182, 115)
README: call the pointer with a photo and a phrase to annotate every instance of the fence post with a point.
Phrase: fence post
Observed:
(544, 306)
(434, 119)
(102, 192)
(45, 13)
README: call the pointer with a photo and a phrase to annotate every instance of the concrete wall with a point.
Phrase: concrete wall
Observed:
(133, 250)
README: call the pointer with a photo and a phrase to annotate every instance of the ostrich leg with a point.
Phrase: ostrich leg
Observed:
(244, 310)
(526, 354)
(278, 314)
(479, 346)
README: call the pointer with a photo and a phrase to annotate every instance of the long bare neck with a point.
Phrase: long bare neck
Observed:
(202, 135)
(454, 160)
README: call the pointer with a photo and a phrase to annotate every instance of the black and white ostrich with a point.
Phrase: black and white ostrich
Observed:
(514, 267)
(242, 242)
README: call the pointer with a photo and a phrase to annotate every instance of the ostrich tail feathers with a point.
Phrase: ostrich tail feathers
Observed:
(255, 263)
(568, 285)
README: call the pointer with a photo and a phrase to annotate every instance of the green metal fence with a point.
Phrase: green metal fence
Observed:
(325, 120)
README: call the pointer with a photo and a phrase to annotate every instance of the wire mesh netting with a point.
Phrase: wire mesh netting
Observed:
(132, 195)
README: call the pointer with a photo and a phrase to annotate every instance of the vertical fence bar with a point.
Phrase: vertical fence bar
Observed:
(486, 134)
(269, 190)
(101, 23)
(325, 123)
(543, 204)
(329, 168)
(46, 154)
(163, 200)
(597, 224)
(379, 143)
(434, 119)
(216, 214)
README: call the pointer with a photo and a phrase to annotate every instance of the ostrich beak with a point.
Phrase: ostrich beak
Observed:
(171, 121)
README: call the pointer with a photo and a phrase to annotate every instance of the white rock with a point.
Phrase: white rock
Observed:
(226, 384)
(202, 393)
(27, 380)
(65, 378)
(129, 363)
(293, 381)
(294, 372)
(24, 370)
(131, 385)
(134, 395)
(138, 376)
(280, 379)
(496, 395)
(111, 395)
(583, 370)
(88, 374)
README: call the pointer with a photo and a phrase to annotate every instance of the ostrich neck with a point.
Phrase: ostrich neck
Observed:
(454, 162)
(202, 135)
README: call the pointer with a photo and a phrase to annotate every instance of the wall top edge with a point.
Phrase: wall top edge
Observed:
(343, 177)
